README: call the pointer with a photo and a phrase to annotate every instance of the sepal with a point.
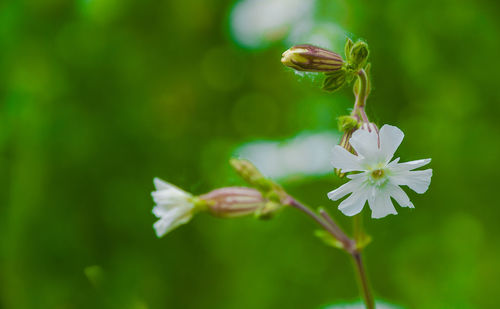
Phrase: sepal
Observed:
(334, 81)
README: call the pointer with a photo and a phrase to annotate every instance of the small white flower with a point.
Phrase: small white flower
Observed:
(174, 207)
(378, 179)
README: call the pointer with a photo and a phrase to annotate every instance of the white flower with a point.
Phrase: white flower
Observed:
(378, 179)
(174, 207)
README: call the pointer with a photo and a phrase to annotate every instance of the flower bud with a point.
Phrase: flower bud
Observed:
(251, 174)
(347, 123)
(234, 202)
(359, 55)
(272, 192)
(311, 58)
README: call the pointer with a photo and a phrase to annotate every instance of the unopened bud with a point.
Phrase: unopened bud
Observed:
(234, 202)
(347, 123)
(272, 191)
(251, 174)
(311, 58)
(359, 55)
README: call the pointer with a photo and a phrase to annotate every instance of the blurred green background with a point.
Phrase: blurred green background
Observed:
(99, 96)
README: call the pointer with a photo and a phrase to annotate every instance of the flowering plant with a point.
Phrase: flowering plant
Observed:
(364, 156)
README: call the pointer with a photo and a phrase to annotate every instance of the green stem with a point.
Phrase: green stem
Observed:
(361, 96)
(358, 227)
(364, 285)
(349, 245)
(328, 224)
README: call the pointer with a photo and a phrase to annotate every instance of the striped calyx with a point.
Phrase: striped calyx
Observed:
(234, 201)
(311, 58)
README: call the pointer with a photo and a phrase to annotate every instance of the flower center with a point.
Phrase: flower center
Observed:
(377, 174)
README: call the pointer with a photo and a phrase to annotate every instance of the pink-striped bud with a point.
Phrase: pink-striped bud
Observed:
(234, 201)
(311, 58)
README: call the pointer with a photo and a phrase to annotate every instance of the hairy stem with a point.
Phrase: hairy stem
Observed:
(361, 96)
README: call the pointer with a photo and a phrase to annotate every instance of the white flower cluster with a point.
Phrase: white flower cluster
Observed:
(375, 177)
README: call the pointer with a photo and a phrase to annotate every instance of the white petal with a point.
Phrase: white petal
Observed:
(170, 196)
(418, 181)
(365, 143)
(170, 220)
(357, 175)
(354, 203)
(166, 221)
(407, 166)
(161, 184)
(159, 211)
(344, 160)
(381, 204)
(399, 195)
(345, 189)
(390, 139)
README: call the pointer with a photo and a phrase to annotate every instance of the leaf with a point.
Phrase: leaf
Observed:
(328, 239)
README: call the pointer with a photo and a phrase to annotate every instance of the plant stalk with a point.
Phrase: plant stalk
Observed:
(349, 245)
(361, 96)
(364, 285)
(328, 225)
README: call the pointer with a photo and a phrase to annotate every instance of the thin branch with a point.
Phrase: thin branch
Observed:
(349, 245)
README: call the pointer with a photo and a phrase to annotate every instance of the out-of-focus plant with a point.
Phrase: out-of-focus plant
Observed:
(364, 156)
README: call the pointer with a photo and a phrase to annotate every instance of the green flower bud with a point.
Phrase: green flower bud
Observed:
(311, 58)
(234, 202)
(247, 171)
(348, 123)
(334, 81)
(251, 174)
(359, 55)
